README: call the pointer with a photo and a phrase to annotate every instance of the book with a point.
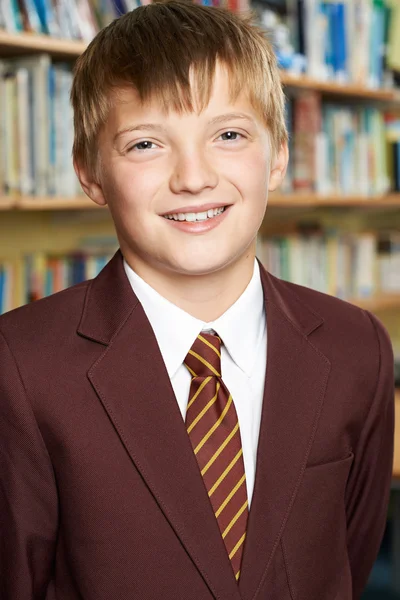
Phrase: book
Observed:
(306, 126)
(29, 16)
(348, 265)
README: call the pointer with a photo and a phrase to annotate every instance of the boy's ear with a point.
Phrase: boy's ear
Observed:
(278, 167)
(91, 188)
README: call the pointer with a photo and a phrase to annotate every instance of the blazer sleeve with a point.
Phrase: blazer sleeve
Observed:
(28, 499)
(368, 488)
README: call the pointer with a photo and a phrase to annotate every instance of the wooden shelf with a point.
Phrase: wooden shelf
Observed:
(6, 203)
(38, 203)
(396, 462)
(337, 89)
(32, 203)
(12, 44)
(377, 303)
(300, 200)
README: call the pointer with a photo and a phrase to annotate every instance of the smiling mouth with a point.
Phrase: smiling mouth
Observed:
(195, 217)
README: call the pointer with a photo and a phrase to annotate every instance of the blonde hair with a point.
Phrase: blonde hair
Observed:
(154, 47)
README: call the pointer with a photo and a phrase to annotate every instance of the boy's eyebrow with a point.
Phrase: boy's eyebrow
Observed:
(157, 127)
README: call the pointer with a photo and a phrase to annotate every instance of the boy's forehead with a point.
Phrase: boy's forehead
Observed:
(126, 104)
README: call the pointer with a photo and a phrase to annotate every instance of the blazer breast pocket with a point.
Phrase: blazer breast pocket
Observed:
(314, 539)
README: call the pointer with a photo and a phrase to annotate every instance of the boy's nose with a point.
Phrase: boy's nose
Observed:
(193, 174)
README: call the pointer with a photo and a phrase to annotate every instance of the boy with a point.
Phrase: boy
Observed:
(187, 426)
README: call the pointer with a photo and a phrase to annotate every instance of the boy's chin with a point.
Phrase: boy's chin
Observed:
(201, 265)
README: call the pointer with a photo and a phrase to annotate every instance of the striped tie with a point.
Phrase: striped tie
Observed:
(213, 427)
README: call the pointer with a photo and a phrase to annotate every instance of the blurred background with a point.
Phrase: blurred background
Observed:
(335, 223)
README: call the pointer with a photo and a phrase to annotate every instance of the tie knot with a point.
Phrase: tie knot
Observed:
(204, 357)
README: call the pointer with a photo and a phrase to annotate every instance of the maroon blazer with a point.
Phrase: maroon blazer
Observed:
(101, 497)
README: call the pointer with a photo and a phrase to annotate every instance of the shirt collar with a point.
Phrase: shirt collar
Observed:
(241, 327)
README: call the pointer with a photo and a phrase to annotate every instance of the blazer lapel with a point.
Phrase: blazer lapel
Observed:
(132, 382)
(296, 378)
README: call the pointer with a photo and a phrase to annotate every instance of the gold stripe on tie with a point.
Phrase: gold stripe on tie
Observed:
(213, 428)
(207, 364)
(205, 409)
(218, 452)
(207, 379)
(240, 542)
(203, 339)
(225, 502)
(235, 518)
(224, 474)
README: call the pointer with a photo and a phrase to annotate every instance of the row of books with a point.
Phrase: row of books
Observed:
(350, 40)
(36, 128)
(347, 265)
(346, 41)
(75, 19)
(37, 275)
(70, 19)
(341, 149)
(343, 264)
(333, 148)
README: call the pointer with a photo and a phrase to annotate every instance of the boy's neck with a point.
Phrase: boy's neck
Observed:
(204, 297)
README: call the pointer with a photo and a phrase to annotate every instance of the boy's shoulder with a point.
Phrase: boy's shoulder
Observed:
(321, 304)
(347, 329)
(51, 315)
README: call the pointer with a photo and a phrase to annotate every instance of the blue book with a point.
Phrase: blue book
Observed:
(330, 59)
(341, 45)
(41, 11)
(119, 7)
(101, 262)
(377, 43)
(78, 269)
(49, 283)
(52, 128)
(17, 15)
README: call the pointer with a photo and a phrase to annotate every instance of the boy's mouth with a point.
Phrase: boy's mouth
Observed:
(196, 216)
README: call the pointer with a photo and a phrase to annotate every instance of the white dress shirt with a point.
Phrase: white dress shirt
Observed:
(242, 329)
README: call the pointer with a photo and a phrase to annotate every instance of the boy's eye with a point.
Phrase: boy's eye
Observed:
(230, 134)
(146, 144)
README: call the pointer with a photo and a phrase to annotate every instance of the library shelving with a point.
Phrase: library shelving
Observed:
(340, 89)
(378, 303)
(35, 217)
(275, 200)
(13, 44)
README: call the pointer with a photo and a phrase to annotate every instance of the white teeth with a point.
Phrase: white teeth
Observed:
(201, 216)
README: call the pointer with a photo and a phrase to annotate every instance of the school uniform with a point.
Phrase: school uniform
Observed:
(101, 494)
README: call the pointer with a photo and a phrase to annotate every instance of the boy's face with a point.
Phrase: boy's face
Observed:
(154, 164)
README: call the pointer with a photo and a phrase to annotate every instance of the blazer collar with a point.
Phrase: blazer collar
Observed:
(131, 381)
(110, 300)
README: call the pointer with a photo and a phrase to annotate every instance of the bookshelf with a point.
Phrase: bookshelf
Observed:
(378, 303)
(275, 200)
(13, 44)
(337, 89)
(41, 211)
